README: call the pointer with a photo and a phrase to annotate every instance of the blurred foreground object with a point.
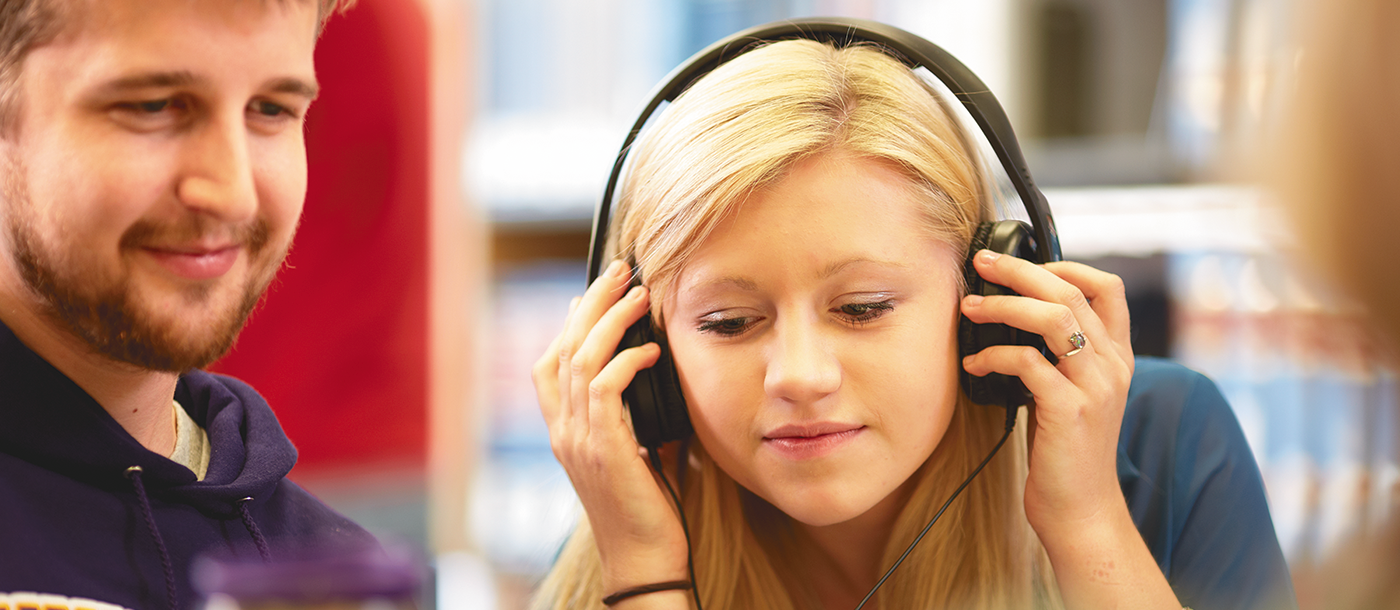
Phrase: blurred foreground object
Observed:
(362, 578)
(1340, 150)
(1335, 173)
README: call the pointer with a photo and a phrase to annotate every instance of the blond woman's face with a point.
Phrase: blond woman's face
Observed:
(815, 336)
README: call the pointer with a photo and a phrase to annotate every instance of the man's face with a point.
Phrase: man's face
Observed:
(153, 185)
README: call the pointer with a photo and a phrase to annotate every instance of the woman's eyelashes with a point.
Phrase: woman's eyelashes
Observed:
(860, 313)
(725, 326)
(863, 313)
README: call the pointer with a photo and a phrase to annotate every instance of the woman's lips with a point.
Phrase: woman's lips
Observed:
(197, 264)
(807, 442)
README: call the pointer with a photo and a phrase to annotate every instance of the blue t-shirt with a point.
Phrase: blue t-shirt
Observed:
(1196, 495)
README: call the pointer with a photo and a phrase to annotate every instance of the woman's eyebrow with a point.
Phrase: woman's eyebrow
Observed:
(747, 284)
(840, 266)
(739, 282)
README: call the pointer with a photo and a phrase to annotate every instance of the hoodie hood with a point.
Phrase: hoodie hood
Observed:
(46, 418)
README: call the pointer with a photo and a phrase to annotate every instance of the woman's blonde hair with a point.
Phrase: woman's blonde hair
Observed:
(739, 129)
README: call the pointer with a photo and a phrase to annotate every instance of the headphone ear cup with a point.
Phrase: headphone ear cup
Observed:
(1014, 238)
(654, 398)
(980, 390)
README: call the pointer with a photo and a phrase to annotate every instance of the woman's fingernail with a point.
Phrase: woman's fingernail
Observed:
(615, 269)
(635, 292)
(988, 256)
(966, 361)
(973, 300)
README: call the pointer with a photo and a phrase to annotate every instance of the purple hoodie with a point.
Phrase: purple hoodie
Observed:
(78, 521)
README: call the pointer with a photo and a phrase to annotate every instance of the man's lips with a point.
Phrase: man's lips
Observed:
(195, 262)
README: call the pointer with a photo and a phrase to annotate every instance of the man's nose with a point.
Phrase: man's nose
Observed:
(218, 174)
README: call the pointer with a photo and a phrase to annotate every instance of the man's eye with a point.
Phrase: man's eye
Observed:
(153, 114)
(152, 106)
(269, 109)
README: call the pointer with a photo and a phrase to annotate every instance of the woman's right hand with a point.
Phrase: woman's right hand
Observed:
(579, 383)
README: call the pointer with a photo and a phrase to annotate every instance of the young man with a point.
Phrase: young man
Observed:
(152, 171)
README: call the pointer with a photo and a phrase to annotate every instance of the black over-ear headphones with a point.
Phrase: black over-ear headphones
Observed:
(654, 398)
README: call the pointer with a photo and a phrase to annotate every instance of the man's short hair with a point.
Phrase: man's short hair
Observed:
(26, 24)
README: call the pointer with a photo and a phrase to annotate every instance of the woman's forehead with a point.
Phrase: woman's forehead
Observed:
(828, 214)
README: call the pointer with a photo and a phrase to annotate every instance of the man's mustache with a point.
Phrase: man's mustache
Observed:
(197, 229)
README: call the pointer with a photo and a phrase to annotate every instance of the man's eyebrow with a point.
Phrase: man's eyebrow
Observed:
(296, 86)
(150, 80)
(182, 78)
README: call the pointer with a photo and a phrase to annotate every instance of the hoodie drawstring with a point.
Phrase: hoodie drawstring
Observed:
(253, 530)
(134, 473)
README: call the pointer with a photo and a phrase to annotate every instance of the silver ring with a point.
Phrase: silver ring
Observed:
(1077, 341)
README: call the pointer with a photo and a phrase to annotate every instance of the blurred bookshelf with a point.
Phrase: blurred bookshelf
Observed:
(1135, 118)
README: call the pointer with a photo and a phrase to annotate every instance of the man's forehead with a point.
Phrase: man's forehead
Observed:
(121, 39)
(79, 17)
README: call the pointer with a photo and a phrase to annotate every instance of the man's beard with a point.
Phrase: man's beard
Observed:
(106, 313)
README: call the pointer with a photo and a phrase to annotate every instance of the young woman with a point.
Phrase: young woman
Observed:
(800, 219)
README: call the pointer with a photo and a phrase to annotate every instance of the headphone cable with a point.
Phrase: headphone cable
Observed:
(654, 456)
(1010, 422)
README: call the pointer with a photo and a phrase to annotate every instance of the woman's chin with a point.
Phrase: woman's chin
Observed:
(875, 503)
(816, 512)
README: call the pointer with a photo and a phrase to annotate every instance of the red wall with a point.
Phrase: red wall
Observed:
(340, 345)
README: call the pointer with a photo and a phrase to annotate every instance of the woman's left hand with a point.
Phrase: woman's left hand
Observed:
(1073, 499)
(1079, 401)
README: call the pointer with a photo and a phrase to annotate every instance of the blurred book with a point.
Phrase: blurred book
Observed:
(522, 504)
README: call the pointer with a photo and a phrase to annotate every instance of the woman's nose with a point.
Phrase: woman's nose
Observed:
(802, 365)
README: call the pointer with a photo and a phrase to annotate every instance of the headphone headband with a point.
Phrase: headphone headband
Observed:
(912, 50)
